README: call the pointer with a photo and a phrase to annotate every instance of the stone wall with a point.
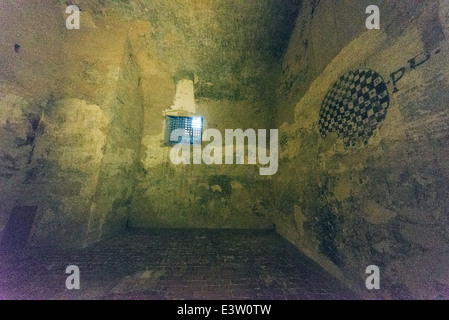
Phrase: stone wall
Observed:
(381, 198)
(24, 95)
(71, 110)
(83, 113)
(119, 166)
(200, 195)
(82, 116)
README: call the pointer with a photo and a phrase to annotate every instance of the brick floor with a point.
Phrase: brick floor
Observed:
(172, 264)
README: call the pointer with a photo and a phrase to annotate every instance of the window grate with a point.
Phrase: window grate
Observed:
(193, 126)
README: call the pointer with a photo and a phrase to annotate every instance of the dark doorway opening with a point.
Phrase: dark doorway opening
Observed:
(18, 228)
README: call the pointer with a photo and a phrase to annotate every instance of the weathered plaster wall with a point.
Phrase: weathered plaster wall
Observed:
(24, 96)
(82, 113)
(82, 121)
(200, 195)
(384, 202)
(118, 170)
(71, 108)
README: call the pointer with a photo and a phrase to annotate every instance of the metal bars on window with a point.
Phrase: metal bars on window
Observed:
(192, 126)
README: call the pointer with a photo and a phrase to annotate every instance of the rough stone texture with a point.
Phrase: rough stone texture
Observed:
(82, 121)
(18, 128)
(231, 46)
(73, 122)
(84, 142)
(383, 203)
(110, 207)
(218, 196)
(62, 175)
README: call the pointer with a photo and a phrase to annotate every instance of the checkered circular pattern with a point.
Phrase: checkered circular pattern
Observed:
(355, 105)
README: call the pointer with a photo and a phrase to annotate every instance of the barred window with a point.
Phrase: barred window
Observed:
(192, 126)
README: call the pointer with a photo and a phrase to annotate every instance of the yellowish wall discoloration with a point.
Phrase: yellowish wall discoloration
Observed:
(348, 208)
(83, 113)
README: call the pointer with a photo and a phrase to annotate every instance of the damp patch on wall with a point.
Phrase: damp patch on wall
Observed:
(354, 106)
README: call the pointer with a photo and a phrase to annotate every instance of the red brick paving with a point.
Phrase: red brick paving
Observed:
(173, 264)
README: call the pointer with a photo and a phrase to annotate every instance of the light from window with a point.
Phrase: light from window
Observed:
(193, 128)
(197, 123)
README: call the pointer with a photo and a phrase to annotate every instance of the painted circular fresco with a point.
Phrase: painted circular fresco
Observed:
(354, 107)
